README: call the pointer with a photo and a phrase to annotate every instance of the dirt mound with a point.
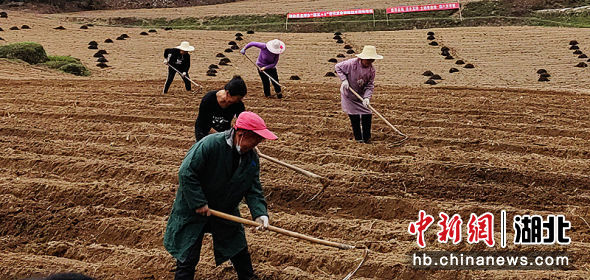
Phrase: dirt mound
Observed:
(453, 70)
(250, 32)
(430, 82)
(108, 41)
(541, 71)
(582, 65)
(333, 60)
(143, 33)
(330, 74)
(84, 27)
(428, 73)
(433, 43)
(294, 78)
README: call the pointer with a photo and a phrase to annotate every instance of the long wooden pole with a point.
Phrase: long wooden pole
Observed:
(281, 231)
(271, 78)
(179, 73)
(378, 114)
(293, 167)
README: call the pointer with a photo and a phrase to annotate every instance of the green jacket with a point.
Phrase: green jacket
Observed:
(205, 177)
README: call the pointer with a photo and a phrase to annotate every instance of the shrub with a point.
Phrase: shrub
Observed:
(29, 52)
(75, 68)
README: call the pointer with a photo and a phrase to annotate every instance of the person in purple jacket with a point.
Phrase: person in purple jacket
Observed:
(358, 74)
(267, 62)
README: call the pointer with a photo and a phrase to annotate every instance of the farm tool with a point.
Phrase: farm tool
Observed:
(298, 236)
(323, 180)
(383, 118)
(271, 78)
(185, 77)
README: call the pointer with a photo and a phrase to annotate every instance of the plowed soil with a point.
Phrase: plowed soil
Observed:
(89, 167)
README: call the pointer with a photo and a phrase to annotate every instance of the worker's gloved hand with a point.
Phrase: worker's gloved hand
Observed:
(184, 74)
(204, 210)
(263, 220)
(366, 102)
(165, 61)
(243, 51)
(262, 68)
(344, 85)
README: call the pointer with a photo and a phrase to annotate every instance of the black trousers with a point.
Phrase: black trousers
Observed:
(171, 73)
(186, 270)
(266, 81)
(355, 121)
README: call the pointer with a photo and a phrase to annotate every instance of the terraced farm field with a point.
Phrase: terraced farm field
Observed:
(89, 175)
(89, 167)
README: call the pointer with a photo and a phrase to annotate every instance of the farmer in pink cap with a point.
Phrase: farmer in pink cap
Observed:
(267, 62)
(218, 172)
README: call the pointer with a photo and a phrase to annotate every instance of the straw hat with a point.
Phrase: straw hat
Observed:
(275, 46)
(185, 46)
(369, 52)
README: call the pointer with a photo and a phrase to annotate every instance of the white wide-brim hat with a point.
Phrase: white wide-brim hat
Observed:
(275, 46)
(369, 52)
(185, 46)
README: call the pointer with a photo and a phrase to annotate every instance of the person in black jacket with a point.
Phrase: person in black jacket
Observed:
(178, 58)
(219, 107)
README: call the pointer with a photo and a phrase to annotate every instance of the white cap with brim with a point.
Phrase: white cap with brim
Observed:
(369, 52)
(185, 46)
(275, 46)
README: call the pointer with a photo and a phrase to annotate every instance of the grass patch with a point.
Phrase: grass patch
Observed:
(483, 13)
(34, 53)
(67, 64)
(29, 52)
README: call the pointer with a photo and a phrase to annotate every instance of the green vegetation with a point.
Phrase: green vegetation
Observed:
(483, 13)
(34, 53)
(29, 52)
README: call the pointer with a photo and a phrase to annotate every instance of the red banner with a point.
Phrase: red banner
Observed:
(423, 8)
(330, 13)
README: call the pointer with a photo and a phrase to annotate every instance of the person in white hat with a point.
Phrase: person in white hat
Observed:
(267, 62)
(178, 58)
(358, 74)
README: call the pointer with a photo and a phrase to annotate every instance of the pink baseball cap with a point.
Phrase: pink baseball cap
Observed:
(250, 121)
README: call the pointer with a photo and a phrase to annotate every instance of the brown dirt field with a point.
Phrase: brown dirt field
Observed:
(504, 57)
(90, 165)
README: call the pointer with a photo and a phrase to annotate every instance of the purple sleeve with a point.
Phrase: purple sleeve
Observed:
(272, 65)
(370, 85)
(255, 44)
(343, 69)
